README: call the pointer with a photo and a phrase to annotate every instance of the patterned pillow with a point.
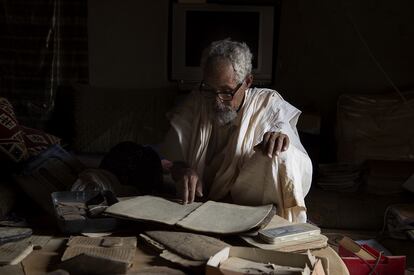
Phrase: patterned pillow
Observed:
(37, 140)
(12, 146)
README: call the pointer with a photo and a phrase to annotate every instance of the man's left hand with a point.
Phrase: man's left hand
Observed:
(274, 143)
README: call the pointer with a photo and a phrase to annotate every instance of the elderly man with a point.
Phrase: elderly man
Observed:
(235, 143)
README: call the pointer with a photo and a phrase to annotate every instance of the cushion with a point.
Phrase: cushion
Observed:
(37, 141)
(12, 146)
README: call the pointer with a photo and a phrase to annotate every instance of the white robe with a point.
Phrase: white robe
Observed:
(250, 177)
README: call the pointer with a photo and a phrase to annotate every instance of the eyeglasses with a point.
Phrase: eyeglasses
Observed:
(210, 92)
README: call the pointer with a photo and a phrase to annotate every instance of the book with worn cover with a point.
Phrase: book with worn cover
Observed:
(211, 216)
(289, 233)
(105, 255)
(309, 242)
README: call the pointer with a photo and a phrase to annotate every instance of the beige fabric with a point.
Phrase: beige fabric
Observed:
(251, 178)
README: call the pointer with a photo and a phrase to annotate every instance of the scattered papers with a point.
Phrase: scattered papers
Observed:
(13, 253)
(107, 255)
(244, 260)
(39, 241)
(185, 249)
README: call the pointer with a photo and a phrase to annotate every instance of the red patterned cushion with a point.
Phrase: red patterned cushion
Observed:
(12, 146)
(37, 140)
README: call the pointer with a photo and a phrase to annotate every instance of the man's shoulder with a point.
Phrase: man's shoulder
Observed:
(265, 93)
(270, 99)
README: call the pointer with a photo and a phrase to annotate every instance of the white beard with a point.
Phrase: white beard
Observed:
(224, 114)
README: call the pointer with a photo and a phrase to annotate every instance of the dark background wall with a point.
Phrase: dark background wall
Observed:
(128, 43)
(320, 55)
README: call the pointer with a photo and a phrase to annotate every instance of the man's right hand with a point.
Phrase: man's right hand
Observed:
(187, 182)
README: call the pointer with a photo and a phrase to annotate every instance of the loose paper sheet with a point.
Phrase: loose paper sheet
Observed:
(192, 246)
(152, 208)
(85, 241)
(243, 266)
(120, 254)
(217, 217)
(14, 252)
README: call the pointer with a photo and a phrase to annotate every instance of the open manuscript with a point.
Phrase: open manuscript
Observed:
(211, 216)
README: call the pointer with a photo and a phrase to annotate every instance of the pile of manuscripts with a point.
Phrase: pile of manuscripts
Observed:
(204, 238)
(100, 255)
(199, 252)
(16, 243)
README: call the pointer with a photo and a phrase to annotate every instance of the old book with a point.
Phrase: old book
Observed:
(107, 255)
(286, 233)
(170, 255)
(192, 246)
(211, 216)
(355, 248)
(310, 242)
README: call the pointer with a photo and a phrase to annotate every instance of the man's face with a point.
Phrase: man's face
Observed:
(219, 77)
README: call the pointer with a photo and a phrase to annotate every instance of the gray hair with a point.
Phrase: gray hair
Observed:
(238, 53)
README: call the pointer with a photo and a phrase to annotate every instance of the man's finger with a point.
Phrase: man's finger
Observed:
(271, 145)
(199, 188)
(192, 188)
(286, 142)
(279, 145)
(266, 138)
(184, 195)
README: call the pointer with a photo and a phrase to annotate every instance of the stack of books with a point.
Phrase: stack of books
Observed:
(282, 235)
(294, 232)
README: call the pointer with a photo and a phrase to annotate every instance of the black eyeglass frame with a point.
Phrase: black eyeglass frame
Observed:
(212, 92)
